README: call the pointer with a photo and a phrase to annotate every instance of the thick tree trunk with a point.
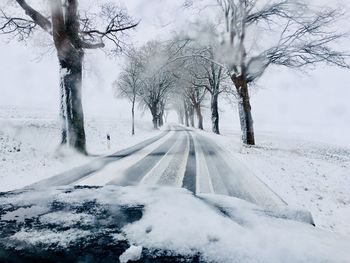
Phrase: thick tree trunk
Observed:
(160, 119)
(154, 119)
(199, 116)
(215, 113)
(65, 29)
(72, 109)
(244, 109)
(154, 111)
(155, 122)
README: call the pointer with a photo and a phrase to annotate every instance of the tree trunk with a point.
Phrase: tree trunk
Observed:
(153, 107)
(161, 114)
(199, 116)
(72, 109)
(186, 115)
(180, 116)
(191, 113)
(155, 122)
(160, 119)
(133, 118)
(215, 113)
(154, 118)
(63, 115)
(70, 56)
(244, 108)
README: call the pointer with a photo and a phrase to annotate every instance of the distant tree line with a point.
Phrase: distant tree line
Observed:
(225, 53)
(229, 54)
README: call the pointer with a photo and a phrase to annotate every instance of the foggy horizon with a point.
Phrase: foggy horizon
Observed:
(316, 98)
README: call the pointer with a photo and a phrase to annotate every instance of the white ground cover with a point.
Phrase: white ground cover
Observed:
(220, 228)
(29, 141)
(305, 172)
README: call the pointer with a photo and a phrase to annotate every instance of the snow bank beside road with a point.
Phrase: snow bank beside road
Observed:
(29, 140)
(307, 174)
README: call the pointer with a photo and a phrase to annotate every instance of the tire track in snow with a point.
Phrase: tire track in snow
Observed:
(135, 173)
(216, 168)
(190, 177)
(115, 170)
(174, 172)
(161, 169)
(78, 173)
(203, 180)
(230, 178)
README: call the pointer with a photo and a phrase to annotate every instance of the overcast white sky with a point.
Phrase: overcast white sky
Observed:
(286, 99)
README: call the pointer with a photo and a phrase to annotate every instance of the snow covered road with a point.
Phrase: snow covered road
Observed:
(179, 157)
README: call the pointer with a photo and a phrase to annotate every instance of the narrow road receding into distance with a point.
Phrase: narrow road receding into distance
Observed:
(178, 157)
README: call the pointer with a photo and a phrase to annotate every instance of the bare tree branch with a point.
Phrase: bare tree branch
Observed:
(37, 18)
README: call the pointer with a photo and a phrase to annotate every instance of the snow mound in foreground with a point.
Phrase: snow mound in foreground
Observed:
(134, 223)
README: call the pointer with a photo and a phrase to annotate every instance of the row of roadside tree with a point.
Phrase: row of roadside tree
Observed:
(226, 47)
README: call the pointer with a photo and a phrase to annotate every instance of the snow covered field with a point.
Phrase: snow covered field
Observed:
(29, 140)
(304, 172)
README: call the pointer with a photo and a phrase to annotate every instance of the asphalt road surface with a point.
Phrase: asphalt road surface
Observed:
(178, 157)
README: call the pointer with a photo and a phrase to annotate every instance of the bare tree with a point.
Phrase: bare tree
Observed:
(179, 108)
(211, 76)
(162, 106)
(293, 35)
(196, 95)
(71, 33)
(178, 103)
(189, 71)
(129, 83)
(157, 79)
(190, 110)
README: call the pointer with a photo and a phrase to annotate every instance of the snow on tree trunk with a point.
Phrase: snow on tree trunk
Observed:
(244, 110)
(71, 108)
(199, 116)
(215, 113)
(242, 119)
(63, 112)
(246, 123)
